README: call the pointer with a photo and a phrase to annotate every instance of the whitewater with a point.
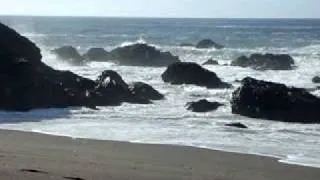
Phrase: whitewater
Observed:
(168, 121)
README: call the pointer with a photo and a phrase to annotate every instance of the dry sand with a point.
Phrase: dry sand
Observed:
(31, 156)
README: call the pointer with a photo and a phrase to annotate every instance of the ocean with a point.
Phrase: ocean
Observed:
(168, 121)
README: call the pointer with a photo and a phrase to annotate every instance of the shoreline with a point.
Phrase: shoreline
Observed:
(278, 158)
(28, 155)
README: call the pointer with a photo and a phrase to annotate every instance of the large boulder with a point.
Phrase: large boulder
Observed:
(144, 90)
(192, 73)
(265, 62)
(273, 101)
(27, 83)
(142, 55)
(203, 106)
(15, 48)
(69, 54)
(26, 86)
(137, 92)
(97, 54)
(208, 43)
(316, 79)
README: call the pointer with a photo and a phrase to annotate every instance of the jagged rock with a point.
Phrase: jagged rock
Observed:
(97, 54)
(316, 79)
(142, 55)
(211, 62)
(237, 125)
(70, 54)
(274, 101)
(27, 83)
(265, 62)
(203, 106)
(137, 92)
(208, 43)
(192, 73)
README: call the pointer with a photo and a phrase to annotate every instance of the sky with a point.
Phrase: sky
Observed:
(165, 8)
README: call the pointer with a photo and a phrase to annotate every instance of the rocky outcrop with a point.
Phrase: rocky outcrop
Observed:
(203, 106)
(237, 125)
(208, 43)
(211, 62)
(273, 101)
(192, 73)
(316, 79)
(97, 54)
(69, 54)
(142, 55)
(265, 62)
(27, 83)
(15, 48)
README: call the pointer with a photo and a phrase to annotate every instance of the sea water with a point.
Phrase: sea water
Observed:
(168, 121)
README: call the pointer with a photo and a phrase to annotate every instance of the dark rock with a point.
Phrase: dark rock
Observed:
(192, 73)
(144, 90)
(142, 55)
(316, 79)
(211, 62)
(186, 45)
(273, 101)
(203, 106)
(27, 83)
(27, 86)
(208, 43)
(237, 125)
(69, 54)
(97, 54)
(110, 82)
(15, 48)
(110, 89)
(265, 62)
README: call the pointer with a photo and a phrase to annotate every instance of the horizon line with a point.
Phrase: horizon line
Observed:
(154, 17)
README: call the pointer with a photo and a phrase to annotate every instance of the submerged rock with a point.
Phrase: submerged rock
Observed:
(97, 54)
(69, 53)
(192, 73)
(142, 55)
(266, 62)
(211, 62)
(208, 43)
(273, 101)
(203, 106)
(187, 45)
(237, 125)
(27, 83)
(316, 79)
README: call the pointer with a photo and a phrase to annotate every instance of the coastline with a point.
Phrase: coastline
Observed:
(26, 155)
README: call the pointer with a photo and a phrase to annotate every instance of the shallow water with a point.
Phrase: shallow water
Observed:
(168, 121)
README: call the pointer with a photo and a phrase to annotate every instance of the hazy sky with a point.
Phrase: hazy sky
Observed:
(166, 8)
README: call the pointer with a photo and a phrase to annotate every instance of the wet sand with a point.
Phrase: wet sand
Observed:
(32, 156)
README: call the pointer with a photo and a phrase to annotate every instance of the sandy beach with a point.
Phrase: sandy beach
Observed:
(35, 156)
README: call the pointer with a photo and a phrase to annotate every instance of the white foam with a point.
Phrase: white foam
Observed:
(168, 121)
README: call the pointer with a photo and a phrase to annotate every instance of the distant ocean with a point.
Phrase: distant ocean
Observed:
(168, 121)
